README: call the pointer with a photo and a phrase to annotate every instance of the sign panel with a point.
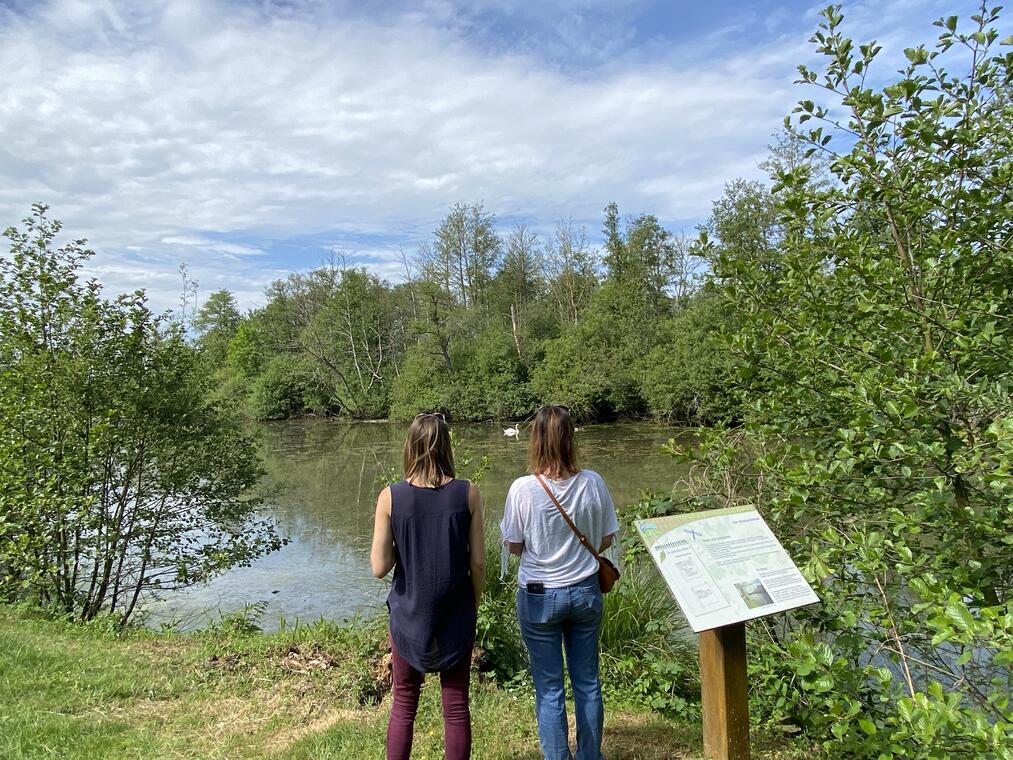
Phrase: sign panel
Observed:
(724, 566)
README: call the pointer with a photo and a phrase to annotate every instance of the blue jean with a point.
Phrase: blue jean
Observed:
(565, 618)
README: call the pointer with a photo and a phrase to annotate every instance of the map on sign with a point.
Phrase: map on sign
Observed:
(724, 566)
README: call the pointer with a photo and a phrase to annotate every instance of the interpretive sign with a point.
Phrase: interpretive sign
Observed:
(724, 566)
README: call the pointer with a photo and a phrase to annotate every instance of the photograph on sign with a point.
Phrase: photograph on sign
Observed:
(724, 566)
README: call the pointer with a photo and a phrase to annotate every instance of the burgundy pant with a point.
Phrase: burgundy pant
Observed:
(407, 685)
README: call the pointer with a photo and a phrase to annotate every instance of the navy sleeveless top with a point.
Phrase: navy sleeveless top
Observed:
(431, 601)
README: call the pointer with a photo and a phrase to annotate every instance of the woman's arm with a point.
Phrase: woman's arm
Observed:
(515, 548)
(477, 541)
(608, 506)
(381, 557)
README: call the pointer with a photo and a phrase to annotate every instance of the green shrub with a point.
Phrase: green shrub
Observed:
(499, 633)
(689, 376)
(120, 475)
(423, 385)
(286, 388)
(648, 656)
(878, 437)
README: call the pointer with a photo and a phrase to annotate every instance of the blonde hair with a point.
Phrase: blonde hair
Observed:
(428, 457)
(551, 450)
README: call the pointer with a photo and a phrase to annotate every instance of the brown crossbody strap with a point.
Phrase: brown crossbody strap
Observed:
(581, 536)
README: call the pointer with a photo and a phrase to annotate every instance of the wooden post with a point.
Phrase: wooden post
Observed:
(723, 693)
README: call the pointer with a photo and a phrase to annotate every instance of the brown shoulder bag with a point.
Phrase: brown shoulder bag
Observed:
(608, 573)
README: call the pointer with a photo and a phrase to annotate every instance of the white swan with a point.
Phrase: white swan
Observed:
(511, 432)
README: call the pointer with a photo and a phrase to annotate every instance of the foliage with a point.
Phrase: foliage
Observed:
(499, 634)
(495, 383)
(216, 323)
(647, 656)
(119, 476)
(690, 374)
(874, 339)
(424, 384)
(593, 366)
(286, 388)
(482, 328)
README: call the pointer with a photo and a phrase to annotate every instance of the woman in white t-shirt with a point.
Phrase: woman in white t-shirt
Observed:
(559, 604)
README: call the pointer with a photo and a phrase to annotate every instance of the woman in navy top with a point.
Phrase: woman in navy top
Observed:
(429, 529)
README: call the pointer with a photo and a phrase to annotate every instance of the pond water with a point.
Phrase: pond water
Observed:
(324, 477)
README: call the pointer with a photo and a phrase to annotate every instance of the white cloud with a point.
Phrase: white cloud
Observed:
(164, 127)
(214, 246)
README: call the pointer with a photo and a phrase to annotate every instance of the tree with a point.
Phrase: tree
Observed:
(690, 375)
(879, 428)
(745, 226)
(570, 266)
(216, 324)
(518, 283)
(643, 256)
(465, 253)
(355, 326)
(424, 383)
(596, 365)
(119, 474)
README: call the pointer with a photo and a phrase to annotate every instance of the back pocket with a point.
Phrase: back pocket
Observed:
(535, 608)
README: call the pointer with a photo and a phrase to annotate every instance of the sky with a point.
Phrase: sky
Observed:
(250, 138)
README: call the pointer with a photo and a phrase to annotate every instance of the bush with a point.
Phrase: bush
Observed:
(494, 383)
(424, 384)
(647, 654)
(120, 476)
(879, 425)
(689, 376)
(499, 634)
(286, 388)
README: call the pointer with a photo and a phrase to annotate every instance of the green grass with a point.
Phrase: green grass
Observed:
(83, 692)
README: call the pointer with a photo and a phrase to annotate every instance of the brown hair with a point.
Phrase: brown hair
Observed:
(551, 450)
(428, 458)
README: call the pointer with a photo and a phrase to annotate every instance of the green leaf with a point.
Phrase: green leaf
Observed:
(958, 614)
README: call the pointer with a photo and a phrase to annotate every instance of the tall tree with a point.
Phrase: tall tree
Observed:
(518, 281)
(570, 266)
(216, 323)
(466, 253)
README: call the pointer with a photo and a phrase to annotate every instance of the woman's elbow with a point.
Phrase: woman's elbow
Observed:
(380, 567)
(478, 567)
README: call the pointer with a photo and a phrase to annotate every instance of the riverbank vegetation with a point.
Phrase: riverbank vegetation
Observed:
(877, 434)
(482, 326)
(120, 473)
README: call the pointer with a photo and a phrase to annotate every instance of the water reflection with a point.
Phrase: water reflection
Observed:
(323, 479)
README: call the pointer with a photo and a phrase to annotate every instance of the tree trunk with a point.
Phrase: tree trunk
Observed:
(513, 327)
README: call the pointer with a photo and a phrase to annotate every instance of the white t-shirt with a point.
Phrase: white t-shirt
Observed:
(552, 552)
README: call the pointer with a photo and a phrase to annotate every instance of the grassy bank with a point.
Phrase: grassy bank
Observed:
(74, 692)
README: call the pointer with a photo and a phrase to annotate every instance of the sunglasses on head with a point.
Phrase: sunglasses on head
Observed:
(554, 406)
(441, 415)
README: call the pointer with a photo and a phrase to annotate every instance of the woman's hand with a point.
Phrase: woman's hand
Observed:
(381, 556)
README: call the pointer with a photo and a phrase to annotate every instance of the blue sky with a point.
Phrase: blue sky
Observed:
(247, 138)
